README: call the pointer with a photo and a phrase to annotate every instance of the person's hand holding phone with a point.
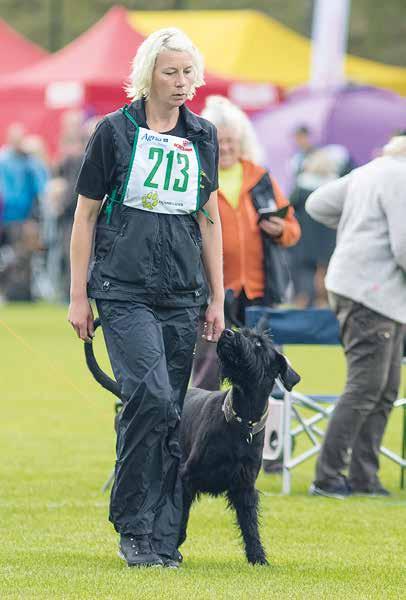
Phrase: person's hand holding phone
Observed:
(272, 226)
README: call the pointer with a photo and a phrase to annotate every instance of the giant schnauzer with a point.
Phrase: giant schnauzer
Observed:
(222, 433)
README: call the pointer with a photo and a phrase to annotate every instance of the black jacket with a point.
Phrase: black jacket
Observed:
(275, 263)
(145, 256)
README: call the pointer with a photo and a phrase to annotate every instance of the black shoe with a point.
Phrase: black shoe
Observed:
(377, 490)
(272, 466)
(172, 562)
(338, 491)
(137, 551)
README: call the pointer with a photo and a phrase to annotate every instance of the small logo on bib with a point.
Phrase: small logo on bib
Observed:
(185, 146)
(150, 200)
(153, 138)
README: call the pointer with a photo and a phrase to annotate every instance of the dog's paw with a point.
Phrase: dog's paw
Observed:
(258, 560)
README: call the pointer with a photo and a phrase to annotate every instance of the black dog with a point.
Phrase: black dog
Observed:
(222, 433)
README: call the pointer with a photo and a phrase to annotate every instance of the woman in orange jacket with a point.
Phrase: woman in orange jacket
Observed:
(246, 192)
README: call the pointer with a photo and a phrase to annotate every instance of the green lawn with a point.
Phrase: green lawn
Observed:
(56, 449)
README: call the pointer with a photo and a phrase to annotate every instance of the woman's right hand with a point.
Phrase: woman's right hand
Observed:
(80, 316)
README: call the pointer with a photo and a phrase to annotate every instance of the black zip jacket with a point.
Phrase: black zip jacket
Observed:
(146, 256)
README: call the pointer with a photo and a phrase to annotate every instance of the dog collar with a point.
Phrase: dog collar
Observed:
(230, 415)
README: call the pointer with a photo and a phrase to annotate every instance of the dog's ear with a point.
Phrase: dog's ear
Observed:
(288, 376)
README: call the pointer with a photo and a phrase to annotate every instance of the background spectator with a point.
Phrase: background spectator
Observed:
(305, 147)
(19, 182)
(366, 280)
(310, 257)
(22, 180)
(74, 140)
(245, 188)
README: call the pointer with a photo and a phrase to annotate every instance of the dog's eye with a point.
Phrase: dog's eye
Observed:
(258, 344)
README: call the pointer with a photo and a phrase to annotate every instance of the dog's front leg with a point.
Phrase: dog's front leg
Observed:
(189, 495)
(245, 503)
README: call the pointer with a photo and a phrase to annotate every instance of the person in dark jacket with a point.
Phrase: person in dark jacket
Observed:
(148, 190)
(245, 190)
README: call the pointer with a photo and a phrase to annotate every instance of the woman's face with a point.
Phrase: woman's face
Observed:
(229, 146)
(172, 78)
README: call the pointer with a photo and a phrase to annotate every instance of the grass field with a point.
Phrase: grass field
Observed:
(56, 450)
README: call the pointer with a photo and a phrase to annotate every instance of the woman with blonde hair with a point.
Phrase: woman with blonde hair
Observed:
(249, 201)
(148, 189)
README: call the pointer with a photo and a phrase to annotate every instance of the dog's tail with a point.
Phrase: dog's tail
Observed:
(99, 375)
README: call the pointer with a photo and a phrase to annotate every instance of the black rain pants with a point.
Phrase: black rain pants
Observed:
(151, 354)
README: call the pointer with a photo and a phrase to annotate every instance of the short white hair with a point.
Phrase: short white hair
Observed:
(144, 61)
(223, 113)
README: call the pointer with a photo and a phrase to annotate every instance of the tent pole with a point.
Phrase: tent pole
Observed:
(56, 9)
(329, 43)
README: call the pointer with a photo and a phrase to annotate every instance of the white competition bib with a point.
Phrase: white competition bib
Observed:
(163, 175)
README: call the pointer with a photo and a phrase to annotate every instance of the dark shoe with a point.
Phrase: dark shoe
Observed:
(377, 490)
(137, 551)
(338, 491)
(272, 466)
(172, 562)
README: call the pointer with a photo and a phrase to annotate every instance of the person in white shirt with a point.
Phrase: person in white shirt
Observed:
(366, 281)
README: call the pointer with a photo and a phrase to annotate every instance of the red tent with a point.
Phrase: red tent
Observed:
(16, 51)
(89, 73)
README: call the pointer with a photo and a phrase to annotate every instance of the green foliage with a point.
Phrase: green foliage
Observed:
(377, 29)
(57, 447)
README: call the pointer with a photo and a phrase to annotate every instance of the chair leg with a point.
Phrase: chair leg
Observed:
(402, 468)
(287, 443)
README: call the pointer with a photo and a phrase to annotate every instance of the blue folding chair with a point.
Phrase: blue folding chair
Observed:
(308, 327)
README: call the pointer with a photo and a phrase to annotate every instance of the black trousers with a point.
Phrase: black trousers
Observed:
(151, 353)
(373, 348)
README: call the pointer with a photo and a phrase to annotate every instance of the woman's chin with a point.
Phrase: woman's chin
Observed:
(227, 164)
(177, 101)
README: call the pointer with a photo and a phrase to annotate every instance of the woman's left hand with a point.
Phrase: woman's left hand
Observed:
(214, 321)
(273, 226)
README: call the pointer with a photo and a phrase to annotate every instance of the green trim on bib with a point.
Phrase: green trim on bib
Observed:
(199, 176)
(199, 179)
(134, 148)
(129, 116)
(111, 200)
(206, 214)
